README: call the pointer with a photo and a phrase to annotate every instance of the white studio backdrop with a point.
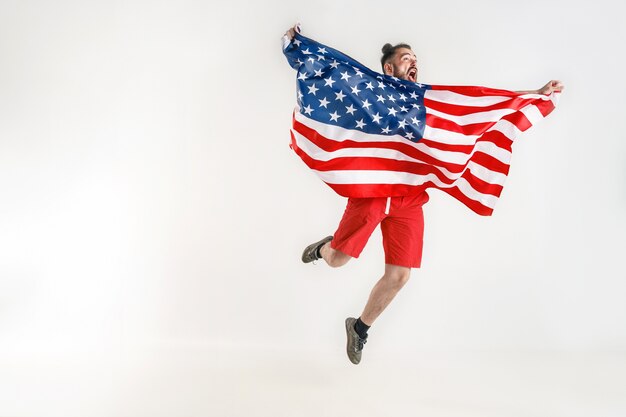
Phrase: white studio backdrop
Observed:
(148, 196)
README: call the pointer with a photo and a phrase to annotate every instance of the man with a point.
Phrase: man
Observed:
(400, 218)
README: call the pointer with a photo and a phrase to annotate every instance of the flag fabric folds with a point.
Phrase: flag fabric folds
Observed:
(366, 134)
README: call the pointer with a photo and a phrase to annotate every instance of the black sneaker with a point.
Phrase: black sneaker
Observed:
(310, 252)
(355, 343)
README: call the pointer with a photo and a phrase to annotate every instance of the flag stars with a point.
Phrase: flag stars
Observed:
(313, 89)
(413, 95)
(324, 102)
(308, 110)
(328, 82)
(321, 50)
(345, 75)
(386, 130)
(334, 116)
(380, 98)
(367, 104)
(370, 86)
(409, 136)
(334, 64)
(306, 51)
(392, 98)
(402, 124)
(381, 85)
(415, 121)
(318, 73)
(377, 118)
(404, 109)
(402, 97)
(350, 109)
(297, 42)
(392, 111)
(358, 72)
(302, 76)
(311, 60)
(321, 58)
(339, 96)
(416, 106)
(360, 124)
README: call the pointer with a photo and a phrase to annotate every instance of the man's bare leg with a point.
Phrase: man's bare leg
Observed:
(334, 257)
(384, 291)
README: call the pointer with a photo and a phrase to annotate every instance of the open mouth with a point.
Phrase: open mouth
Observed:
(412, 75)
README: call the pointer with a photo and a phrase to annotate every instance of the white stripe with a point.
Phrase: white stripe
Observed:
(494, 150)
(480, 117)
(536, 96)
(448, 97)
(532, 113)
(485, 174)
(319, 154)
(340, 134)
(507, 128)
(447, 137)
(388, 177)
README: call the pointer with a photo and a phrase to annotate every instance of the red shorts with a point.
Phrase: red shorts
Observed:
(402, 228)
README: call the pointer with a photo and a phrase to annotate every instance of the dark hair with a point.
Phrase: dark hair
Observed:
(388, 51)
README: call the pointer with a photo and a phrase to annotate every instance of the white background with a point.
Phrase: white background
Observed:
(150, 208)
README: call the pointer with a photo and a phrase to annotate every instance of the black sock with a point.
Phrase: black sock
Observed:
(361, 328)
(318, 252)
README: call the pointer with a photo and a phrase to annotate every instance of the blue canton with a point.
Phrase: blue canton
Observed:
(337, 90)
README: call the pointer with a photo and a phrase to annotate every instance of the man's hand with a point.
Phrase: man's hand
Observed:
(292, 32)
(550, 87)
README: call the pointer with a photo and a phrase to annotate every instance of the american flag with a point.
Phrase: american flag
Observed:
(366, 134)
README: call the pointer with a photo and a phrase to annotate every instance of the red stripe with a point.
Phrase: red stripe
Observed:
(545, 107)
(445, 124)
(389, 190)
(474, 205)
(475, 91)
(490, 162)
(515, 103)
(466, 149)
(482, 186)
(519, 120)
(377, 190)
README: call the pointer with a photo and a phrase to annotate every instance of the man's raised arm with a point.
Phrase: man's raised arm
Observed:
(551, 87)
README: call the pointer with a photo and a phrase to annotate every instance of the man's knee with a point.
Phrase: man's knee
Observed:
(335, 258)
(397, 275)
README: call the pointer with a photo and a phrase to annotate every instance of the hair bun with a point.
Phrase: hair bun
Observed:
(386, 48)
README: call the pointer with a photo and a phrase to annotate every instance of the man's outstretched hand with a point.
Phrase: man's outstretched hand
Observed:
(288, 36)
(550, 87)
(291, 32)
